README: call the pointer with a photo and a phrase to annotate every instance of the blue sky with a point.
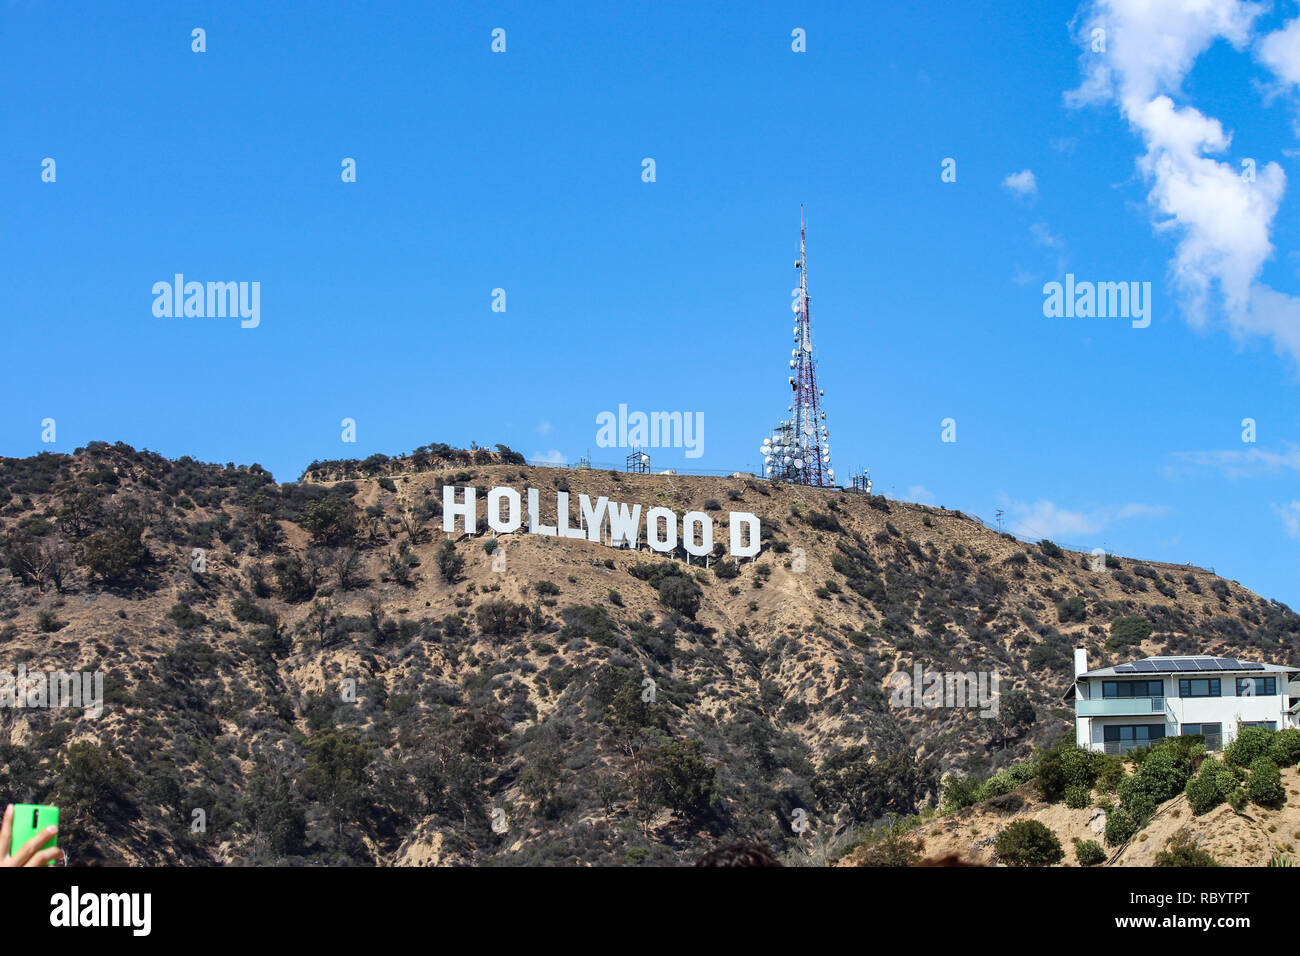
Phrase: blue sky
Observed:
(522, 170)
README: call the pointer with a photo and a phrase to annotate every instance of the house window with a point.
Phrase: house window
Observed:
(1267, 724)
(1133, 735)
(1200, 687)
(1256, 686)
(1132, 688)
(1205, 730)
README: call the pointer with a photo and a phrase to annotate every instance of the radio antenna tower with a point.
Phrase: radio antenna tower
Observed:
(799, 448)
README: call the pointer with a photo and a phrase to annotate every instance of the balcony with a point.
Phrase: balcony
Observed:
(1213, 744)
(1120, 707)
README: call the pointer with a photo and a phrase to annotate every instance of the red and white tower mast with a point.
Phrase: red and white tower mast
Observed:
(799, 448)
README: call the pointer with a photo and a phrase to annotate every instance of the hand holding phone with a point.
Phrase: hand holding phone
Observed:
(28, 835)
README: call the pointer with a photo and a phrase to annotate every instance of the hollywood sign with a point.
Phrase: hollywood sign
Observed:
(603, 521)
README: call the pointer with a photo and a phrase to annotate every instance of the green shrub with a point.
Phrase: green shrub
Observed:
(1209, 787)
(726, 570)
(1007, 779)
(1089, 853)
(960, 792)
(1072, 609)
(1162, 776)
(450, 563)
(1051, 549)
(185, 617)
(1119, 826)
(1264, 786)
(1028, 843)
(680, 594)
(1236, 798)
(1110, 771)
(1128, 631)
(501, 618)
(1062, 766)
(1251, 743)
(1285, 748)
(1077, 797)
(1181, 850)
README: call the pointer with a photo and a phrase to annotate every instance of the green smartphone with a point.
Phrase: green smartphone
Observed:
(29, 820)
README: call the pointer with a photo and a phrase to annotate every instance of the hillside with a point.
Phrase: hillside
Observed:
(1255, 835)
(520, 690)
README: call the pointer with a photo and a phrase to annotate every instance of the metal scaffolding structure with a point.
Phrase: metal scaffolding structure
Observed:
(798, 450)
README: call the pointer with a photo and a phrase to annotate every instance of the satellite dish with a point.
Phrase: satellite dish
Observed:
(807, 428)
(798, 464)
(792, 363)
(793, 353)
(645, 459)
(821, 391)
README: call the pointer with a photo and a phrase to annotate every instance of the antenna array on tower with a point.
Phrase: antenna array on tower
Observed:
(798, 450)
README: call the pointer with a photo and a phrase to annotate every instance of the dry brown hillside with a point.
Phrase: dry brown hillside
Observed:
(1255, 836)
(230, 686)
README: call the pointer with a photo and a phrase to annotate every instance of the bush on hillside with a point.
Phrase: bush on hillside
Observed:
(1120, 826)
(1251, 743)
(1285, 748)
(1089, 853)
(1181, 850)
(1028, 843)
(1264, 785)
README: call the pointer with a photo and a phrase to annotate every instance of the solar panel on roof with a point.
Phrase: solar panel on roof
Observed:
(1184, 664)
(1145, 667)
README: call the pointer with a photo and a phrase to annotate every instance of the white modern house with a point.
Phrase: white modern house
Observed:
(1133, 704)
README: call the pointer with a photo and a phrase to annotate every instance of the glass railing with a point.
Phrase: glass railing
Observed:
(1120, 706)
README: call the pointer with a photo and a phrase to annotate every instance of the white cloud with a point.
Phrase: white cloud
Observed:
(1290, 515)
(1043, 236)
(921, 494)
(1280, 52)
(1044, 519)
(552, 457)
(1024, 277)
(1244, 463)
(1152, 44)
(543, 428)
(1223, 222)
(1022, 183)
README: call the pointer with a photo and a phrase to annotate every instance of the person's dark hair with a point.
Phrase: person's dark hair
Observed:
(742, 853)
(947, 859)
